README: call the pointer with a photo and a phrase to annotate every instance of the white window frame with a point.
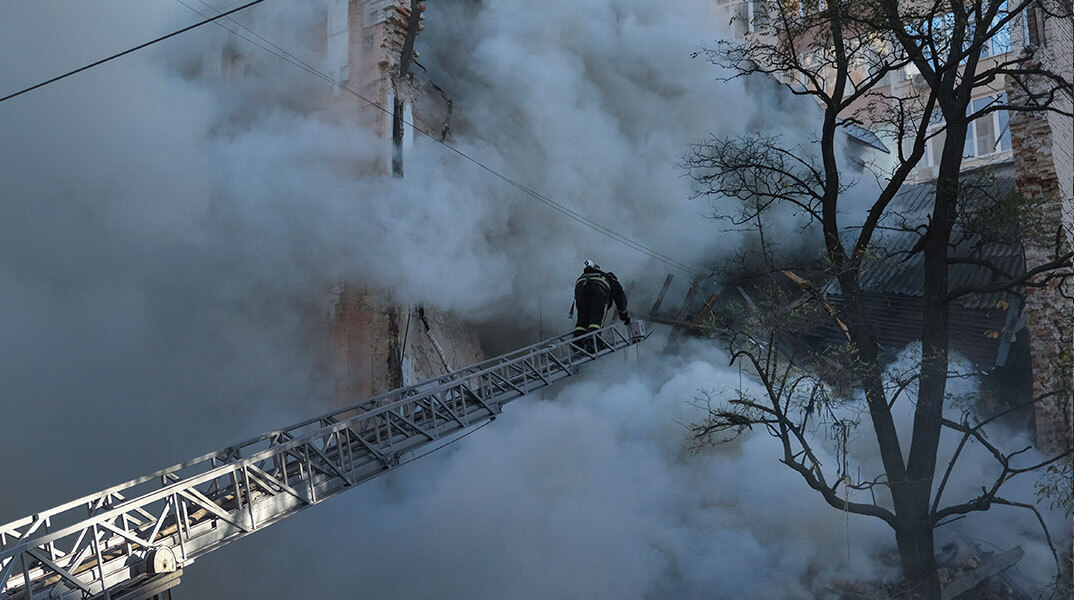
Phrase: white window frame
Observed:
(932, 153)
(751, 15)
(971, 133)
(821, 6)
(991, 44)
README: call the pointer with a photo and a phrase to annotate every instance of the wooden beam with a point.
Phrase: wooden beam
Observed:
(706, 310)
(660, 297)
(681, 315)
(685, 324)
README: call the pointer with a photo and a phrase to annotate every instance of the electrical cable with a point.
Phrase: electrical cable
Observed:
(130, 50)
(578, 217)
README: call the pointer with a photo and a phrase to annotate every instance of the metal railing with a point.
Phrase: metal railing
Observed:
(137, 536)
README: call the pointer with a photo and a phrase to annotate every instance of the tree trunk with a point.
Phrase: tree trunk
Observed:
(913, 530)
(397, 135)
(914, 539)
(914, 534)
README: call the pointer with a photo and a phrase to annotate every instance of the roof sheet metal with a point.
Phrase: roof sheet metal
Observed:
(897, 321)
(865, 136)
(896, 268)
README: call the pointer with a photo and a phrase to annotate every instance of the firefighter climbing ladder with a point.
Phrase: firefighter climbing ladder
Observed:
(132, 541)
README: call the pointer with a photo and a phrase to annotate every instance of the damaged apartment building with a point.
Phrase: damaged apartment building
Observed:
(1024, 155)
(367, 46)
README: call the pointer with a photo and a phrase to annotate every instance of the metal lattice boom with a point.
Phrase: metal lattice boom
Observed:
(131, 541)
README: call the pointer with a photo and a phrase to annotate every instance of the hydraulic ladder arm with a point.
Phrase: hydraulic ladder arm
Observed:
(131, 541)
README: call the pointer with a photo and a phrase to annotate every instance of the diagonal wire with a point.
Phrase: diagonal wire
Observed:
(134, 49)
(281, 53)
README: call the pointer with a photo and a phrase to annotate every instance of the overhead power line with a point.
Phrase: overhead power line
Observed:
(294, 60)
(286, 56)
(130, 50)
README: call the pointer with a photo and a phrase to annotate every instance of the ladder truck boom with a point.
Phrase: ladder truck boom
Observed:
(132, 541)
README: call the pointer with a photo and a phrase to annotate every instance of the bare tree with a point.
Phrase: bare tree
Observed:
(842, 53)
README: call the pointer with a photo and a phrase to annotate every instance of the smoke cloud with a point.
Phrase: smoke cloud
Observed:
(594, 494)
(591, 494)
(165, 241)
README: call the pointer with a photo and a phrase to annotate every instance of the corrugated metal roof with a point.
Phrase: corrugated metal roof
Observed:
(897, 320)
(895, 267)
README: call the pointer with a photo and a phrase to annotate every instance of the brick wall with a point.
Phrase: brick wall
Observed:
(382, 344)
(1042, 144)
(367, 344)
(1058, 56)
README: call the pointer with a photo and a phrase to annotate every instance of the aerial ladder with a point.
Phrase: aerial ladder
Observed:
(132, 541)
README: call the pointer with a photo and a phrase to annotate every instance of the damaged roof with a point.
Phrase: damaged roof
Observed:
(897, 266)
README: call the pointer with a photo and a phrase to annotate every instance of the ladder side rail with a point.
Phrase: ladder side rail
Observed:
(369, 403)
(498, 369)
(540, 359)
(241, 533)
(230, 468)
(84, 557)
(329, 487)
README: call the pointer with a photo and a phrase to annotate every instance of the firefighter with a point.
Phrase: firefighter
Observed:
(594, 293)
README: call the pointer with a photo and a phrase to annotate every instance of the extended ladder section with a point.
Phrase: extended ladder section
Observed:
(131, 541)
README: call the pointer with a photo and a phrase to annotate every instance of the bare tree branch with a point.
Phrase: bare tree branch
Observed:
(1049, 269)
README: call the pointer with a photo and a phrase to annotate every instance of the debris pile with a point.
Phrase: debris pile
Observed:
(966, 569)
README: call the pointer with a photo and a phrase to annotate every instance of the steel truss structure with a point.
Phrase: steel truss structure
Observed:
(131, 541)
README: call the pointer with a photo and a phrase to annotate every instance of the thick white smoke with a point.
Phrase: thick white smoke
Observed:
(165, 241)
(1003, 526)
(591, 105)
(591, 494)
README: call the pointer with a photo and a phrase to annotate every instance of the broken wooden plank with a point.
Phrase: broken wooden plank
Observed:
(681, 315)
(684, 324)
(660, 296)
(986, 569)
(706, 310)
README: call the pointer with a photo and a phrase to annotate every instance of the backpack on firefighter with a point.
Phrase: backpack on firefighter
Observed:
(595, 291)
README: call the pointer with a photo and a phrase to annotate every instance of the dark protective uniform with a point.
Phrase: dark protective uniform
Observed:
(594, 293)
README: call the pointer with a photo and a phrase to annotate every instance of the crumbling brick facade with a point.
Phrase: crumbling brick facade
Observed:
(1042, 145)
(382, 344)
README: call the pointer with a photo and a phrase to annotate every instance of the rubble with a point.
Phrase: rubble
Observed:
(966, 569)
